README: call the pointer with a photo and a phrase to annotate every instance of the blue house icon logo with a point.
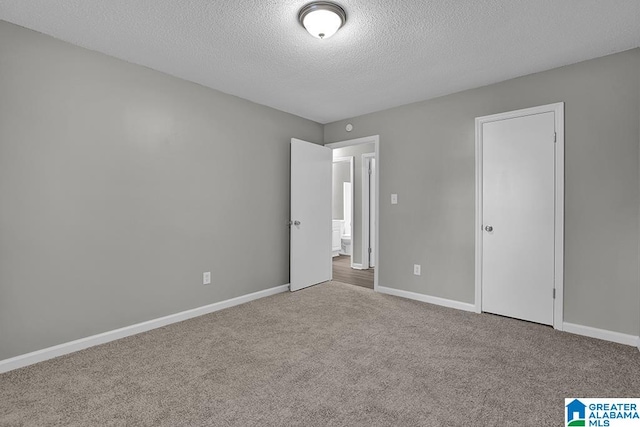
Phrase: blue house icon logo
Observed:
(576, 413)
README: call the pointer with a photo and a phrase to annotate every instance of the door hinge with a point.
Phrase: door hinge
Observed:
(369, 250)
(555, 137)
(554, 293)
(369, 169)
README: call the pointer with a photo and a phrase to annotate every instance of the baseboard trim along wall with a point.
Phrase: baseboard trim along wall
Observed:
(602, 334)
(572, 328)
(427, 298)
(105, 337)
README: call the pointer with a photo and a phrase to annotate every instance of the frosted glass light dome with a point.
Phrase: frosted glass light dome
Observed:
(322, 19)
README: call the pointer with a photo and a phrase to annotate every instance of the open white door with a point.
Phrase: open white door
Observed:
(310, 214)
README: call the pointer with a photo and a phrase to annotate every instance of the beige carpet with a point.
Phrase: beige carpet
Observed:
(334, 355)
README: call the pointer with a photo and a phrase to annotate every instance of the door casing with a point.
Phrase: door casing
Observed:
(366, 214)
(375, 139)
(558, 110)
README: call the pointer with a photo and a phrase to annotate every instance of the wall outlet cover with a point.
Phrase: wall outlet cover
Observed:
(394, 199)
(416, 269)
(206, 278)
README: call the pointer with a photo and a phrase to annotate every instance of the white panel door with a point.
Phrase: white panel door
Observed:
(311, 226)
(518, 193)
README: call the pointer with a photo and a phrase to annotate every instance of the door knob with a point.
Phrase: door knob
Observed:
(489, 228)
(296, 222)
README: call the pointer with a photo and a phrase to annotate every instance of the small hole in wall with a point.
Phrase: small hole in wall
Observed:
(349, 127)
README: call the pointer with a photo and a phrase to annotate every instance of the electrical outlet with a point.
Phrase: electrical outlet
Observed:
(394, 199)
(206, 278)
(416, 269)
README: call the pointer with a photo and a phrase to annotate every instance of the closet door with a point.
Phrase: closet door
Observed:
(518, 194)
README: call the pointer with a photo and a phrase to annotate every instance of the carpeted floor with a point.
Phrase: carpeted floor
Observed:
(332, 354)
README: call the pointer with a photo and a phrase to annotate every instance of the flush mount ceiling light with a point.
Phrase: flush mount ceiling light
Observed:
(322, 18)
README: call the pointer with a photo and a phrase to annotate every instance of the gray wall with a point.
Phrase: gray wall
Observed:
(427, 157)
(341, 174)
(120, 186)
(356, 228)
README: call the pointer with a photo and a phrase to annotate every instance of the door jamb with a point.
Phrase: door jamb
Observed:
(558, 109)
(366, 215)
(375, 139)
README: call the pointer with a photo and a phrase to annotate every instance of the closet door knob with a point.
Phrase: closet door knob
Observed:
(489, 228)
(296, 222)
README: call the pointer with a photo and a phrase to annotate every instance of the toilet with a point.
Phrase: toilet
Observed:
(346, 244)
(341, 234)
(345, 237)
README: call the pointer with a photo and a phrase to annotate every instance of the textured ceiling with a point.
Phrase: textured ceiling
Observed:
(389, 53)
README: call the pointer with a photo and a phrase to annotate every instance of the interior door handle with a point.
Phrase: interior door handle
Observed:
(296, 223)
(489, 228)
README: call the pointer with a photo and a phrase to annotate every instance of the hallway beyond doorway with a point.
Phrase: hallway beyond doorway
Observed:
(342, 272)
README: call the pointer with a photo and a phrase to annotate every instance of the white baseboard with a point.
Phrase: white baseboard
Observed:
(602, 334)
(427, 298)
(105, 337)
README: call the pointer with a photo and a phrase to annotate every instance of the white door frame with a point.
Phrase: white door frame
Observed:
(558, 109)
(365, 210)
(352, 173)
(375, 139)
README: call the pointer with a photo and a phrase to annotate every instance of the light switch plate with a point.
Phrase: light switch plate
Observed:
(394, 199)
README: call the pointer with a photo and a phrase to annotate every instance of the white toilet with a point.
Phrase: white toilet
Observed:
(341, 238)
(346, 245)
(341, 235)
(345, 237)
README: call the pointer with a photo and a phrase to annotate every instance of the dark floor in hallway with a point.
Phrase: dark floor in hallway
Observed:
(342, 272)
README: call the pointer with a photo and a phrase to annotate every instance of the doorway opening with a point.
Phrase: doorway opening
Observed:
(355, 211)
